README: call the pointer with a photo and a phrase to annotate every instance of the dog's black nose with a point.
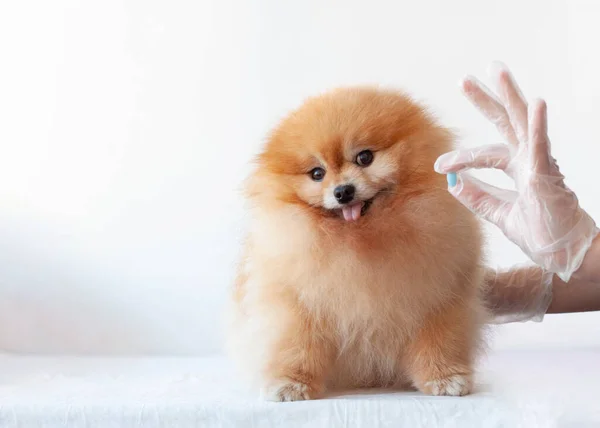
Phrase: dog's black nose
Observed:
(344, 193)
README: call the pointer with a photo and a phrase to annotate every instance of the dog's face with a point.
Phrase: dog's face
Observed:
(345, 153)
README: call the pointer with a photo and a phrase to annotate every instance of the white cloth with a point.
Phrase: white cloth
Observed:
(515, 389)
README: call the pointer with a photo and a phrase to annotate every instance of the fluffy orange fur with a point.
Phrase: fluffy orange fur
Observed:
(389, 300)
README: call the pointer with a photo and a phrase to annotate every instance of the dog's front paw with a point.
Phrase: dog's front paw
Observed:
(287, 390)
(456, 385)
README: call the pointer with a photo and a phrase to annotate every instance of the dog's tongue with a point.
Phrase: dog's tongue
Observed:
(352, 212)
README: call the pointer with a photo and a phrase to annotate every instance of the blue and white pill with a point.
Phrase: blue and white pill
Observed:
(451, 179)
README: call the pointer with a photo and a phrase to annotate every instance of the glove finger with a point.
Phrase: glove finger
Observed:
(485, 200)
(539, 144)
(487, 103)
(495, 156)
(512, 98)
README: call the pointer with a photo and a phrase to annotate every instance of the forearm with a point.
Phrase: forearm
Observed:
(589, 271)
(577, 296)
(525, 293)
(582, 292)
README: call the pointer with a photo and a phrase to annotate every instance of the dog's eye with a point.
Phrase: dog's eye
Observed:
(317, 174)
(364, 158)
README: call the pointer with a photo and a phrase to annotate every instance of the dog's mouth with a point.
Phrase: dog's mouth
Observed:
(355, 210)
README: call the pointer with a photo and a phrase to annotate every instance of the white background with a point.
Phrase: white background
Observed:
(126, 127)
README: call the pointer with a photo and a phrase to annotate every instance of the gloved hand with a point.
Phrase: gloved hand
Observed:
(542, 216)
(521, 293)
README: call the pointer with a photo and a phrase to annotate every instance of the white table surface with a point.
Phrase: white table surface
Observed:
(515, 389)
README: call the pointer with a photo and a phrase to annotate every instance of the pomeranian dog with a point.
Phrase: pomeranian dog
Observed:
(360, 269)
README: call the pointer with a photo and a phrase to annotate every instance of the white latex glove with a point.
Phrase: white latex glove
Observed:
(521, 293)
(542, 216)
